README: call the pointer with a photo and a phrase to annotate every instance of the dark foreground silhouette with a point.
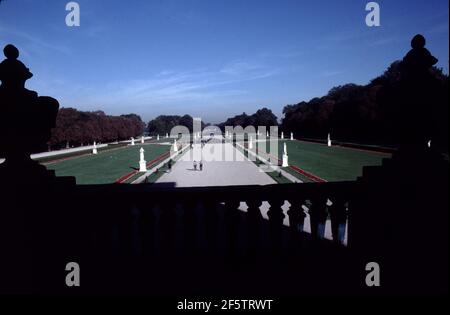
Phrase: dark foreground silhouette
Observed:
(162, 240)
(412, 105)
(25, 121)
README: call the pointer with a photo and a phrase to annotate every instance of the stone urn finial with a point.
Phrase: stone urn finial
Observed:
(26, 119)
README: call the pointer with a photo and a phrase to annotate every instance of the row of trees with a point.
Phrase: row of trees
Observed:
(262, 117)
(349, 111)
(372, 113)
(163, 124)
(74, 128)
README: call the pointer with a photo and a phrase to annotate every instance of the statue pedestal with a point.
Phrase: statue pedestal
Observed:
(285, 161)
(142, 166)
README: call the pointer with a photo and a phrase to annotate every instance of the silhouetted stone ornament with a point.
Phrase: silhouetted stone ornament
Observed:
(11, 52)
(26, 120)
(418, 61)
(418, 41)
(417, 94)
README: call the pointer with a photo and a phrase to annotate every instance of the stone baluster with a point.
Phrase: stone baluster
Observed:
(124, 222)
(232, 218)
(147, 227)
(167, 225)
(318, 216)
(254, 221)
(190, 225)
(296, 215)
(338, 216)
(276, 217)
(211, 224)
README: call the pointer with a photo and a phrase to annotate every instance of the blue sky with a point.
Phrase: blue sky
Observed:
(211, 58)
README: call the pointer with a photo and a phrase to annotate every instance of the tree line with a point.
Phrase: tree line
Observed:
(371, 113)
(76, 128)
(262, 117)
(164, 123)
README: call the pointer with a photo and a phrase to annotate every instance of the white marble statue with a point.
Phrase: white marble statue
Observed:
(285, 157)
(142, 162)
(175, 146)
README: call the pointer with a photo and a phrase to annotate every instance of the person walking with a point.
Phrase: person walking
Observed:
(169, 165)
(195, 165)
(201, 165)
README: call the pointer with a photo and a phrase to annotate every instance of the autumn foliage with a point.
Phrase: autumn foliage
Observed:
(74, 128)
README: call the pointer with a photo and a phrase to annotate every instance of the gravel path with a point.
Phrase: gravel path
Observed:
(216, 171)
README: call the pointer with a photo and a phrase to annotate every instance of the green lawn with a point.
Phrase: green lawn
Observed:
(275, 175)
(106, 166)
(161, 140)
(49, 159)
(330, 163)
